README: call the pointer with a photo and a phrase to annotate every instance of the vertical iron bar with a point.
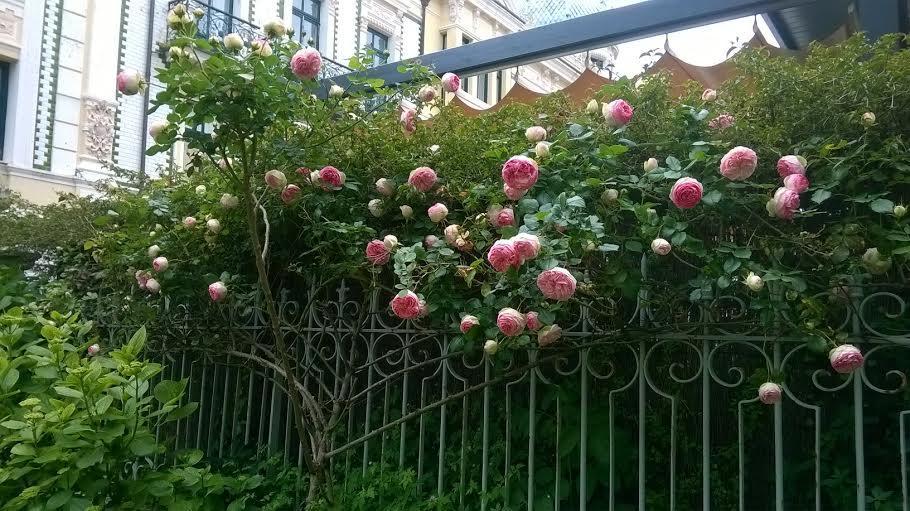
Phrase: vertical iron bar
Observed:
(485, 455)
(205, 367)
(532, 411)
(858, 432)
(778, 443)
(224, 408)
(904, 487)
(442, 429)
(556, 498)
(464, 441)
(706, 429)
(642, 321)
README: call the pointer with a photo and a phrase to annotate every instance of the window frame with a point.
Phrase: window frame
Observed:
(386, 54)
(306, 17)
(483, 87)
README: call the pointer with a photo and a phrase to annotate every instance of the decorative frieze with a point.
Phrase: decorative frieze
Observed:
(97, 128)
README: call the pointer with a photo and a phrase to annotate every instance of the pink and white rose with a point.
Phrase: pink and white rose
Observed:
(451, 233)
(536, 134)
(427, 93)
(189, 222)
(93, 350)
(502, 256)
(520, 172)
(450, 82)
(290, 193)
(160, 264)
(661, 246)
(796, 182)
(331, 177)
(390, 241)
(709, 95)
(513, 193)
(527, 245)
(438, 212)
(233, 41)
(556, 283)
(306, 63)
(686, 193)
(769, 393)
(375, 207)
(548, 335)
(845, 358)
(130, 82)
(510, 322)
(532, 321)
(152, 286)
(429, 240)
(422, 179)
(617, 112)
(153, 251)
(275, 179)
(406, 211)
(377, 253)
(213, 225)
(490, 347)
(142, 278)
(790, 164)
(739, 163)
(218, 291)
(229, 201)
(385, 187)
(406, 305)
(784, 204)
(650, 165)
(408, 121)
(721, 122)
(467, 323)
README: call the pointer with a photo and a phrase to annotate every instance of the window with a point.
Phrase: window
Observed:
(305, 21)
(499, 85)
(465, 40)
(378, 42)
(445, 41)
(4, 92)
(483, 85)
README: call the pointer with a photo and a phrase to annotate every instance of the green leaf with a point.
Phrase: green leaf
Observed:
(103, 403)
(575, 202)
(882, 206)
(12, 376)
(169, 390)
(673, 163)
(182, 412)
(51, 332)
(678, 238)
(23, 450)
(90, 458)
(633, 246)
(143, 445)
(712, 197)
(901, 250)
(59, 499)
(137, 342)
(732, 264)
(723, 282)
(820, 196)
(68, 392)
(742, 253)
(14, 425)
(160, 488)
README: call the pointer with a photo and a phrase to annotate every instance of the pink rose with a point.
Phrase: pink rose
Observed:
(721, 122)
(438, 212)
(306, 63)
(130, 82)
(520, 172)
(709, 95)
(510, 322)
(304, 171)
(275, 179)
(505, 217)
(785, 203)
(408, 121)
(502, 256)
(427, 93)
(661, 246)
(290, 193)
(536, 133)
(142, 277)
(739, 163)
(467, 323)
(532, 321)
(93, 350)
(796, 182)
(769, 393)
(451, 233)
(160, 264)
(450, 82)
(429, 240)
(527, 245)
(152, 286)
(217, 291)
(189, 222)
(377, 253)
(422, 310)
(845, 358)
(422, 179)
(548, 335)
(513, 193)
(406, 305)
(789, 165)
(617, 112)
(331, 177)
(686, 193)
(556, 284)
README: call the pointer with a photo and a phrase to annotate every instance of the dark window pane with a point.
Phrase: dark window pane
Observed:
(445, 41)
(298, 4)
(483, 83)
(311, 7)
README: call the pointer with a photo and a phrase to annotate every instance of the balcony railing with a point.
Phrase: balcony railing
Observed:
(218, 23)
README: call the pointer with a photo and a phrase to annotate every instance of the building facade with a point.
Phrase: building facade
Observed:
(64, 126)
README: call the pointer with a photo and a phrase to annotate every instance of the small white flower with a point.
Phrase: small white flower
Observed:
(154, 251)
(868, 119)
(433, 148)
(490, 347)
(899, 211)
(406, 211)
(650, 164)
(754, 282)
(275, 27)
(213, 225)
(200, 190)
(375, 207)
(542, 149)
(390, 242)
(233, 41)
(592, 107)
(93, 350)
(385, 187)
(335, 91)
(229, 201)
(661, 246)
(157, 127)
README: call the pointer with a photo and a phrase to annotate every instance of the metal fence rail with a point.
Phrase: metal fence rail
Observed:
(664, 421)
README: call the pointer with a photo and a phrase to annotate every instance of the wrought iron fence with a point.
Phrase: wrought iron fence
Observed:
(664, 419)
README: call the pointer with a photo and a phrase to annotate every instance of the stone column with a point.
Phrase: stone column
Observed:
(99, 90)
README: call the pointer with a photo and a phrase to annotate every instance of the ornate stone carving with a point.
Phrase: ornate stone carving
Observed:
(455, 8)
(98, 127)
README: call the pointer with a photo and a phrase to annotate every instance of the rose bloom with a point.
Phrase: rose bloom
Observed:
(385, 187)
(709, 95)
(429, 240)
(336, 91)
(536, 133)
(450, 82)
(408, 121)
(427, 93)
(157, 127)
(153, 251)
(467, 323)
(390, 241)
(501, 217)
(686, 192)
(650, 164)
(661, 246)
(306, 63)
(490, 347)
(754, 282)
(786, 202)
(796, 182)
(290, 193)
(189, 222)
(502, 256)
(592, 106)
(130, 82)
(276, 179)
(721, 122)
(142, 278)
(451, 233)
(160, 264)
(738, 164)
(93, 350)
(233, 41)
(152, 286)
(556, 284)
(229, 201)
(513, 193)
(769, 393)
(510, 322)
(331, 177)
(617, 112)
(532, 321)
(377, 253)
(527, 245)
(213, 225)
(261, 47)
(520, 172)
(375, 207)
(406, 305)
(422, 179)
(845, 358)
(438, 212)
(789, 165)
(868, 119)
(542, 149)
(217, 291)
(406, 211)
(548, 335)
